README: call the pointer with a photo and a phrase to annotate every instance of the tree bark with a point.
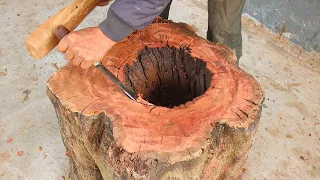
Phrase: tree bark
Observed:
(196, 116)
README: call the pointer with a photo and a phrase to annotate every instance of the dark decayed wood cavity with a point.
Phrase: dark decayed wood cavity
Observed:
(168, 76)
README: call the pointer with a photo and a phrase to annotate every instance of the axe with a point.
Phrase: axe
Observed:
(47, 36)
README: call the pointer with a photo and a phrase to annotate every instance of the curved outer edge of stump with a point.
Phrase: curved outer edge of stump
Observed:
(233, 120)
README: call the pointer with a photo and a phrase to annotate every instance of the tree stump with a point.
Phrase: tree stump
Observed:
(196, 116)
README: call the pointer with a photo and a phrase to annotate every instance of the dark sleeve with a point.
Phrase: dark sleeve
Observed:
(126, 16)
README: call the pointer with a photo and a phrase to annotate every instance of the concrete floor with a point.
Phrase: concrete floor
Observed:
(287, 145)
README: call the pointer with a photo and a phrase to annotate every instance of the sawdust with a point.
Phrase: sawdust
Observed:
(54, 65)
(9, 140)
(4, 156)
(3, 73)
(301, 108)
(290, 85)
(20, 153)
(68, 153)
(283, 30)
(26, 94)
(289, 136)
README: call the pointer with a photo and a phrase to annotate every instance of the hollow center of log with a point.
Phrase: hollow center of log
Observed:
(168, 76)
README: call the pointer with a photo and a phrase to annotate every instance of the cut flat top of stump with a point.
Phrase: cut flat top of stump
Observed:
(233, 97)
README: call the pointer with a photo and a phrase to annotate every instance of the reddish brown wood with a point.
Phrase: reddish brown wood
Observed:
(202, 127)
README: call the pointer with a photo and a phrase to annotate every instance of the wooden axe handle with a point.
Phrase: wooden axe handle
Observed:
(42, 40)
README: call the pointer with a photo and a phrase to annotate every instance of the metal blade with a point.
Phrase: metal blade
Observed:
(125, 89)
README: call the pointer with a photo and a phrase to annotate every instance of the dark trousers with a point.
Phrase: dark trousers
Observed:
(224, 22)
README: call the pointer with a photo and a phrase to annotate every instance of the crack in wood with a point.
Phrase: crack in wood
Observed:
(246, 114)
(252, 102)
(152, 109)
(238, 115)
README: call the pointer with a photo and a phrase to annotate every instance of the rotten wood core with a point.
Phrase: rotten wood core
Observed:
(168, 76)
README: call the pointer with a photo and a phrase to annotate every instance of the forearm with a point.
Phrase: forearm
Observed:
(126, 16)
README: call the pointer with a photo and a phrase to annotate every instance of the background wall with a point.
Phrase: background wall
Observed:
(302, 18)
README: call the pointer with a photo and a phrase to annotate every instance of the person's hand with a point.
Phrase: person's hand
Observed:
(86, 46)
(103, 2)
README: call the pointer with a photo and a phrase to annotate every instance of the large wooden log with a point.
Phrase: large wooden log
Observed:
(196, 117)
